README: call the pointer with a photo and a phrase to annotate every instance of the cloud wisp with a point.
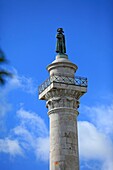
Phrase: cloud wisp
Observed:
(10, 146)
(26, 84)
(33, 132)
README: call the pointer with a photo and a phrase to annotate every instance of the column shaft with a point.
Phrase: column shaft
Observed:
(63, 140)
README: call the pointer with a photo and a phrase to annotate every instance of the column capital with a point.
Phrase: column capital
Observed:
(62, 99)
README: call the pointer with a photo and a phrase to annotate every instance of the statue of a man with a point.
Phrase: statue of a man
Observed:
(60, 46)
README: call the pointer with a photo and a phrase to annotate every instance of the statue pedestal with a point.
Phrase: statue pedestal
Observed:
(62, 56)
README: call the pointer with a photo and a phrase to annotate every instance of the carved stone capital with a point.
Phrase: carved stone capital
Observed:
(61, 98)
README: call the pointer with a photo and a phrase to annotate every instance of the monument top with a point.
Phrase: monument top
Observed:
(60, 45)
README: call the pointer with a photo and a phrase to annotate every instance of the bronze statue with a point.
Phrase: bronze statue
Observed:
(60, 46)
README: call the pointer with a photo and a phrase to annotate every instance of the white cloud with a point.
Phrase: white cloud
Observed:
(42, 148)
(33, 122)
(16, 82)
(33, 133)
(101, 116)
(30, 135)
(24, 137)
(11, 147)
(5, 107)
(95, 135)
(25, 83)
(93, 144)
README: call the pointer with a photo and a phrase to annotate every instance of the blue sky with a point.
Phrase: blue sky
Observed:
(27, 36)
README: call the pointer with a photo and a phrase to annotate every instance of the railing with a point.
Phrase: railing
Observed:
(77, 81)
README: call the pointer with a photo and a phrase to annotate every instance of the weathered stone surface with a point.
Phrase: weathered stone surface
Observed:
(63, 139)
(62, 66)
(62, 101)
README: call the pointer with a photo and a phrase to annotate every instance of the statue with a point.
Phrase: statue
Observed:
(60, 46)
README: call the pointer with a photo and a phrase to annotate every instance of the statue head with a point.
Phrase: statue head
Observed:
(60, 30)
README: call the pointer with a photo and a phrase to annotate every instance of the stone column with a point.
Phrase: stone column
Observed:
(62, 105)
(62, 93)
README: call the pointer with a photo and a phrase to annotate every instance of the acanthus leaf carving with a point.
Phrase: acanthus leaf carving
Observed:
(61, 98)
